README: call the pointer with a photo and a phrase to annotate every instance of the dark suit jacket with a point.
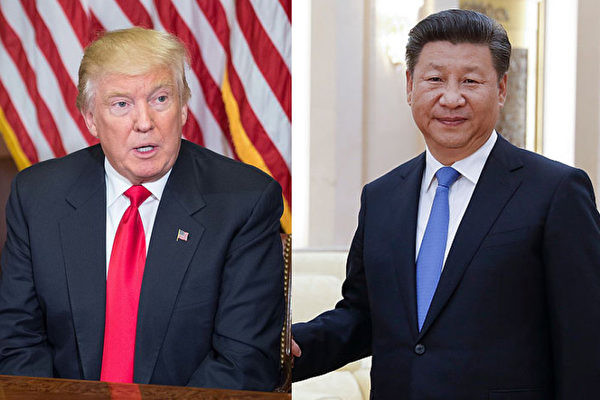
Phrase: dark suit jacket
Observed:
(211, 308)
(516, 314)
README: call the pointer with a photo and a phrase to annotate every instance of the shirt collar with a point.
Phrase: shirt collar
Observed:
(469, 167)
(117, 184)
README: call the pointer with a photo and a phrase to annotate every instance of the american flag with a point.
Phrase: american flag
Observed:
(239, 75)
(182, 235)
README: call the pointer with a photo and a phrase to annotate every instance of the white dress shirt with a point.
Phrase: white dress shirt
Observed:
(117, 203)
(460, 192)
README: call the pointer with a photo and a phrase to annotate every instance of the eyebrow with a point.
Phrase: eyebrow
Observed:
(161, 85)
(157, 87)
(474, 68)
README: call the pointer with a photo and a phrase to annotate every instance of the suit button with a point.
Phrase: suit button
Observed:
(420, 349)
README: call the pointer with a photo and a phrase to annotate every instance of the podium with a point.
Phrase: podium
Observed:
(26, 388)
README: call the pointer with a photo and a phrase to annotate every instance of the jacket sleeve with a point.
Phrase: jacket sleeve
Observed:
(571, 253)
(341, 335)
(250, 313)
(23, 345)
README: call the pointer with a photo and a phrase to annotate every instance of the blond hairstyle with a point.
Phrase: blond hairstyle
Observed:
(132, 51)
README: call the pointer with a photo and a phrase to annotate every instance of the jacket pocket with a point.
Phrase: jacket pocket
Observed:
(517, 394)
(510, 237)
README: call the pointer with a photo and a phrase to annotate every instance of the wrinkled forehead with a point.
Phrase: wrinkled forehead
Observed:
(111, 83)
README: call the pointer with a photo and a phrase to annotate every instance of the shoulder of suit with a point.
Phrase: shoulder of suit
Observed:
(531, 163)
(512, 157)
(69, 167)
(394, 176)
(63, 169)
(224, 168)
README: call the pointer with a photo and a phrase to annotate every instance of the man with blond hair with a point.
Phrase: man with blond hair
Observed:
(145, 258)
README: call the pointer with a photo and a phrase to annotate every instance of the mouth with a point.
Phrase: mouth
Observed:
(451, 121)
(145, 149)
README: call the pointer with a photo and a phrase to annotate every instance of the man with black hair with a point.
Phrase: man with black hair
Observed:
(474, 272)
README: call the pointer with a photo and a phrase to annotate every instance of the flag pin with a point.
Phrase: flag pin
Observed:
(182, 235)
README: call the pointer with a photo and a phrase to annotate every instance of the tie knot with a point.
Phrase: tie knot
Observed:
(446, 176)
(137, 194)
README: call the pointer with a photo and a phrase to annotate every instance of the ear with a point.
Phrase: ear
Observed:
(184, 113)
(502, 90)
(409, 87)
(90, 122)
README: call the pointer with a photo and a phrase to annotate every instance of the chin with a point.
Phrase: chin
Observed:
(144, 176)
(450, 142)
(151, 177)
(149, 169)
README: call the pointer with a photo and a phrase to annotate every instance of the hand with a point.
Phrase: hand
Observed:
(296, 352)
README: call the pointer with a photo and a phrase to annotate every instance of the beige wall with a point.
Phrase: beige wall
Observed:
(360, 125)
(587, 123)
(391, 136)
(336, 104)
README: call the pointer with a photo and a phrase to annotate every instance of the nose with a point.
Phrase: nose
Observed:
(452, 97)
(143, 121)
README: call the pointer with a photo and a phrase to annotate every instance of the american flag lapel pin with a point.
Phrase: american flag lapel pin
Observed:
(182, 235)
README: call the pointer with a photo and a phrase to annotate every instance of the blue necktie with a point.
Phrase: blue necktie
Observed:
(433, 246)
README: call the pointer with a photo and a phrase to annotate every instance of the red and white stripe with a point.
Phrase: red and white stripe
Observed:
(42, 42)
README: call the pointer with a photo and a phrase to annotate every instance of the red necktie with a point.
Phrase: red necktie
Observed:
(125, 272)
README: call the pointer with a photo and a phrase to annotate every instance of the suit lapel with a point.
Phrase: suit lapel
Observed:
(496, 186)
(83, 239)
(405, 199)
(167, 262)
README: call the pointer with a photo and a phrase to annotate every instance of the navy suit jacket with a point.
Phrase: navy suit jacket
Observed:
(516, 314)
(211, 308)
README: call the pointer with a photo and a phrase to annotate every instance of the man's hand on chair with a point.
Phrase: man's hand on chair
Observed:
(296, 352)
